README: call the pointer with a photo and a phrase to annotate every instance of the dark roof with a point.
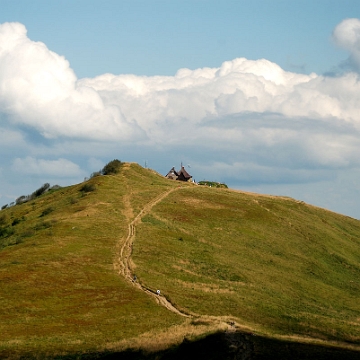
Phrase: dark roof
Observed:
(183, 173)
(172, 172)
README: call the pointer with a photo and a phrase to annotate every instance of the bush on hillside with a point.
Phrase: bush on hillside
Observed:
(113, 167)
(21, 199)
(213, 184)
(18, 221)
(44, 225)
(3, 220)
(88, 188)
(73, 200)
(47, 211)
(6, 231)
(95, 174)
(40, 190)
(25, 198)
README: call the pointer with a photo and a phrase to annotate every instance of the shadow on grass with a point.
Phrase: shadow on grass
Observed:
(231, 345)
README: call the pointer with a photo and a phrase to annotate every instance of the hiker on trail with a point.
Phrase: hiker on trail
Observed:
(158, 292)
(134, 278)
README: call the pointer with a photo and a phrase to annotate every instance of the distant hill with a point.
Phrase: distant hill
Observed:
(239, 274)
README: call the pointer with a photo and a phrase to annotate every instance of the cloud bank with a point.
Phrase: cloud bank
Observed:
(51, 168)
(39, 89)
(246, 121)
(347, 36)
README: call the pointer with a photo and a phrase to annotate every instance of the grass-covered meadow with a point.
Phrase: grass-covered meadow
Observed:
(59, 291)
(276, 266)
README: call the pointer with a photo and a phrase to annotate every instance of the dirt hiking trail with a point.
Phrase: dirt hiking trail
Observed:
(123, 262)
(229, 325)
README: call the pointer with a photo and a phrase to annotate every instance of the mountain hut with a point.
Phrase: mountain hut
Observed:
(181, 175)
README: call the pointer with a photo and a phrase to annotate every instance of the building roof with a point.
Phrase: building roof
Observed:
(183, 173)
(172, 173)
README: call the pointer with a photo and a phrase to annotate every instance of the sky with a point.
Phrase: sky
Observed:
(262, 95)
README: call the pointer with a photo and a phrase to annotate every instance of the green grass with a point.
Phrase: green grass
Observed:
(212, 184)
(58, 288)
(276, 265)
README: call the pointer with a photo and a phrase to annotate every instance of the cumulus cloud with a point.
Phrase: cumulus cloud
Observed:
(247, 120)
(58, 168)
(237, 86)
(347, 36)
(39, 89)
(245, 110)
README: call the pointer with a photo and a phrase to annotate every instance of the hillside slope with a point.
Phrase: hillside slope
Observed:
(222, 259)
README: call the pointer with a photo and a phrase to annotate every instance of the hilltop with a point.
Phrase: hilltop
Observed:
(247, 272)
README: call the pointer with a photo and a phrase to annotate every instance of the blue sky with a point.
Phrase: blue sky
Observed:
(160, 37)
(262, 95)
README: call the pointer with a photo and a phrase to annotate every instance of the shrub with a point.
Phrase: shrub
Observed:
(6, 231)
(19, 240)
(3, 219)
(113, 167)
(44, 225)
(47, 211)
(88, 188)
(40, 190)
(21, 199)
(16, 221)
(4, 206)
(213, 184)
(73, 200)
(95, 174)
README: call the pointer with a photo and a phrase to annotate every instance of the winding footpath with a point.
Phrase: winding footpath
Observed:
(241, 349)
(123, 267)
(238, 342)
(123, 263)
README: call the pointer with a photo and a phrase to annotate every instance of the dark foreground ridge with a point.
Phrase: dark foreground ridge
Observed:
(229, 345)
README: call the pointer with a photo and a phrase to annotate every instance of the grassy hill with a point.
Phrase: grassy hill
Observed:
(222, 259)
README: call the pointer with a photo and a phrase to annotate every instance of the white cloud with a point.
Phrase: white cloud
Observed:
(347, 35)
(38, 88)
(247, 121)
(58, 168)
(238, 86)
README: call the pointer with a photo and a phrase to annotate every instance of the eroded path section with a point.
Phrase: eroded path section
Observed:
(123, 263)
